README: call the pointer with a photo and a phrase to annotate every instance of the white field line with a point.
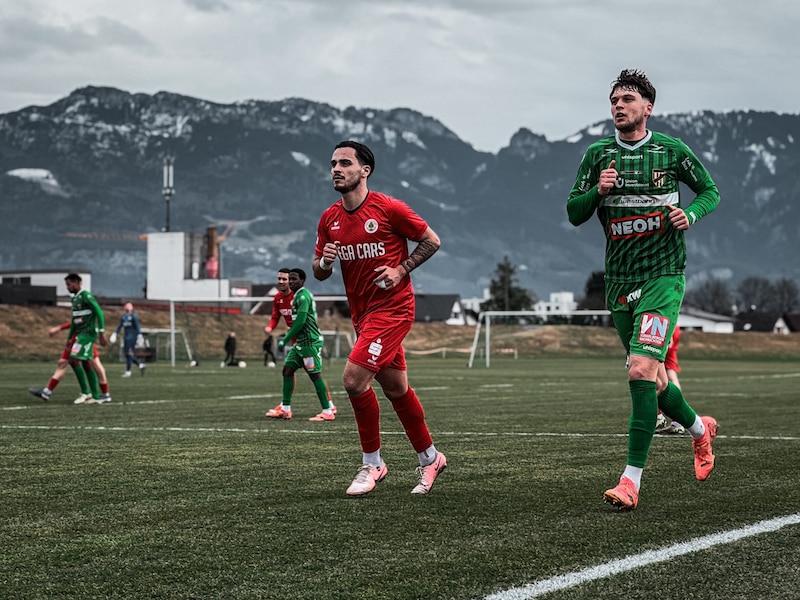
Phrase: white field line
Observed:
(628, 563)
(520, 434)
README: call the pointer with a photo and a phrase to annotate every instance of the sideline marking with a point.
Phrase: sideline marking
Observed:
(621, 565)
(265, 429)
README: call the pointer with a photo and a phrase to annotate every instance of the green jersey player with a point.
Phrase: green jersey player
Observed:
(631, 182)
(306, 351)
(87, 327)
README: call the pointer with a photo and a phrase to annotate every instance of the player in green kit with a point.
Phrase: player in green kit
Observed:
(306, 352)
(88, 326)
(631, 181)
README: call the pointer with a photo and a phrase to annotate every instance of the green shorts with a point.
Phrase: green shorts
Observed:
(646, 313)
(83, 347)
(305, 357)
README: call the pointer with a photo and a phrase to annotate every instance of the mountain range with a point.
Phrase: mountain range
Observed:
(81, 181)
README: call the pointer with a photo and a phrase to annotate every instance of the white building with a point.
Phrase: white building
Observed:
(179, 266)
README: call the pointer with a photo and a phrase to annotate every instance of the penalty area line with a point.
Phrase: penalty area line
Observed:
(621, 565)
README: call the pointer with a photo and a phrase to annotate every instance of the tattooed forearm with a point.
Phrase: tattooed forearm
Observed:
(421, 253)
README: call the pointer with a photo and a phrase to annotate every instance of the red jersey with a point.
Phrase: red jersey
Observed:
(375, 234)
(281, 307)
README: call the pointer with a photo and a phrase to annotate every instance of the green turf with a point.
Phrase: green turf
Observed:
(180, 488)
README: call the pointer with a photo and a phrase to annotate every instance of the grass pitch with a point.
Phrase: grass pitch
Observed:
(180, 488)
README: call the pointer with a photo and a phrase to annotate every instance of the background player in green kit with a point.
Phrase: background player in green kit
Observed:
(631, 181)
(306, 352)
(87, 327)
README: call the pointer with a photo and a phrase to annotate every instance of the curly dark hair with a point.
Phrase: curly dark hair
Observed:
(637, 81)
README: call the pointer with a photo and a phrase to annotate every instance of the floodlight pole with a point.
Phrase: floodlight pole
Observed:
(169, 186)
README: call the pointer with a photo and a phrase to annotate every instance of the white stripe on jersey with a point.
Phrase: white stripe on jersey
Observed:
(641, 200)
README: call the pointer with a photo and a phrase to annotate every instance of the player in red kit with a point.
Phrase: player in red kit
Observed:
(368, 232)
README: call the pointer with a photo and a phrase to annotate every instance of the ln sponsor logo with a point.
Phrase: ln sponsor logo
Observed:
(653, 330)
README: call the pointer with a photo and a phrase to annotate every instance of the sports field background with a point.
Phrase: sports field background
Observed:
(180, 488)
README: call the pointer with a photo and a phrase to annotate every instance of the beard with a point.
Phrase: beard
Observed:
(344, 187)
(630, 126)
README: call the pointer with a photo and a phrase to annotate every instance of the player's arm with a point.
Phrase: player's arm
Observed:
(276, 317)
(54, 330)
(589, 190)
(298, 323)
(428, 244)
(694, 174)
(101, 319)
(323, 265)
(325, 252)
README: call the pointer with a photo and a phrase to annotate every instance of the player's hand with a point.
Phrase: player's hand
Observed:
(113, 338)
(53, 331)
(608, 179)
(281, 344)
(102, 339)
(678, 217)
(387, 277)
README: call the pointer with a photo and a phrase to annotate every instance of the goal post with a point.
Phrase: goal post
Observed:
(336, 341)
(484, 321)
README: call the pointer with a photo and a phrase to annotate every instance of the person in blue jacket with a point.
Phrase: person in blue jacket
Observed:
(131, 331)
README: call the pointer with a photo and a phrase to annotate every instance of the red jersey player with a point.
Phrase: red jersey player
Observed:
(281, 307)
(368, 232)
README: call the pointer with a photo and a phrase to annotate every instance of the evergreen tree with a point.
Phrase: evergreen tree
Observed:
(504, 293)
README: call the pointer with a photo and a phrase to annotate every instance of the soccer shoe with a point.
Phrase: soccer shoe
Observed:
(666, 426)
(39, 393)
(662, 423)
(142, 367)
(703, 457)
(126, 374)
(427, 475)
(625, 496)
(279, 413)
(82, 399)
(91, 400)
(104, 398)
(333, 407)
(366, 479)
(323, 416)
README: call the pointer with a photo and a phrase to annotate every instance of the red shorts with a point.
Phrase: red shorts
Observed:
(379, 344)
(65, 352)
(671, 360)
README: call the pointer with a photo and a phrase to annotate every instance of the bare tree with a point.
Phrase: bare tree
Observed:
(713, 295)
(787, 296)
(755, 294)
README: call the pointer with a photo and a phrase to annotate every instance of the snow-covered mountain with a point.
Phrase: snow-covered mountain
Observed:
(82, 180)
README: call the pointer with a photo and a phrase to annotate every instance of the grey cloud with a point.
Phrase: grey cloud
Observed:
(208, 5)
(23, 38)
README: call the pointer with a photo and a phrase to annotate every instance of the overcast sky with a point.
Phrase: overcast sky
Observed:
(483, 68)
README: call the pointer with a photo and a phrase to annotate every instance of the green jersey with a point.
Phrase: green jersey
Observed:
(87, 316)
(641, 243)
(304, 329)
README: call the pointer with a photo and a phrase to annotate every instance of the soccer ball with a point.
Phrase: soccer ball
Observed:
(193, 363)
(242, 364)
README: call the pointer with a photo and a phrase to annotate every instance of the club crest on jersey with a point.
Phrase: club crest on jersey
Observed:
(659, 177)
(653, 330)
(371, 226)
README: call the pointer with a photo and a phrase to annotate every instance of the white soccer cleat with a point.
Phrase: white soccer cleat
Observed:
(427, 475)
(82, 399)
